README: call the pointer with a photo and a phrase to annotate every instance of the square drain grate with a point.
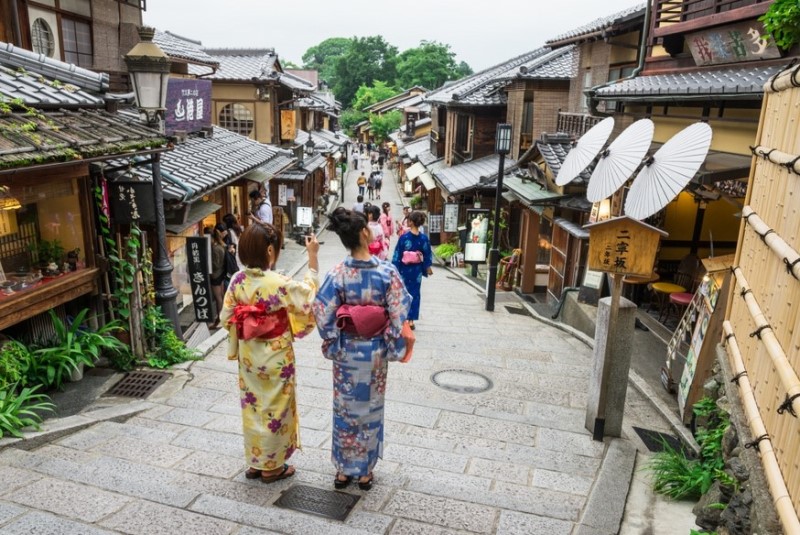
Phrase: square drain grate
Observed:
(521, 311)
(138, 384)
(655, 440)
(327, 503)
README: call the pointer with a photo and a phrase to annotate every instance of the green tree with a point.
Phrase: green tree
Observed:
(369, 95)
(349, 118)
(430, 65)
(323, 56)
(367, 59)
(463, 70)
(382, 125)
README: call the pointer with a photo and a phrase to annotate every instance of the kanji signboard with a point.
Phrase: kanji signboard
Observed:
(198, 253)
(188, 105)
(623, 245)
(132, 202)
(745, 41)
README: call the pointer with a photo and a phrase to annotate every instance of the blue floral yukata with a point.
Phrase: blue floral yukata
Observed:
(412, 273)
(360, 365)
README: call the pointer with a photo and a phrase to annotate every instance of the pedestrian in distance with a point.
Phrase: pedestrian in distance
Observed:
(373, 291)
(402, 225)
(378, 184)
(355, 161)
(413, 258)
(234, 231)
(378, 245)
(387, 223)
(260, 207)
(264, 312)
(359, 204)
(217, 275)
(361, 182)
(371, 186)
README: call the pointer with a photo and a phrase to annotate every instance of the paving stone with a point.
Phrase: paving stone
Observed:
(142, 434)
(13, 478)
(195, 398)
(244, 490)
(539, 501)
(569, 483)
(227, 423)
(247, 530)
(418, 415)
(421, 476)
(487, 428)
(550, 459)
(163, 455)
(212, 441)
(8, 511)
(409, 527)
(441, 511)
(157, 424)
(436, 439)
(321, 398)
(189, 417)
(532, 393)
(38, 523)
(513, 406)
(225, 382)
(281, 520)
(233, 409)
(19, 458)
(54, 451)
(544, 415)
(85, 440)
(563, 384)
(317, 419)
(578, 443)
(513, 473)
(80, 502)
(210, 464)
(314, 437)
(414, 456)
(514, 523)
(155, 519)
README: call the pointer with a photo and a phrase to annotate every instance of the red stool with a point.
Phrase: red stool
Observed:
(679, 301)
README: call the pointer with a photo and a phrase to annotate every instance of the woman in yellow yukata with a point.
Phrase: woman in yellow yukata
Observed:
(264, 312)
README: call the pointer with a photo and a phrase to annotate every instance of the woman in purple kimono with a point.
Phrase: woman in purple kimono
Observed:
(360, 360)
(412, 272)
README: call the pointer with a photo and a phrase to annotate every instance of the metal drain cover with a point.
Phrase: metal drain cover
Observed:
(521, 311)
(327, 503)
(461, 381)
(138, 384)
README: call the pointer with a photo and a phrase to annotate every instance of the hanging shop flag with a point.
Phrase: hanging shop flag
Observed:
(132, 201)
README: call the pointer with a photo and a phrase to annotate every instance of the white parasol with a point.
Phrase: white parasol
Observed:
(584, 151)
(668, 171)
(618, 162)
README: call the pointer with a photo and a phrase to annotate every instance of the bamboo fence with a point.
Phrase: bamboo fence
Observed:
(762, 330)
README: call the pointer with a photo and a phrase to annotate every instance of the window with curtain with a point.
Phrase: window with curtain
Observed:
(77, 38)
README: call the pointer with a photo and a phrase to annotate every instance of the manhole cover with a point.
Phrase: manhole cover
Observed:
(520, 311)
(461, 381)
(327, 503)
(138, 384)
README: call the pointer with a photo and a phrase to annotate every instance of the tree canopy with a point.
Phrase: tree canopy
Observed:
(369, 95)
(383, 125)
(323, 56)
(429, 65)
(367, 59)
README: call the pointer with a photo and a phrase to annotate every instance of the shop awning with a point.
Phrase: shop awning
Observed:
(198, 211)
(414, 171)
(427, 181)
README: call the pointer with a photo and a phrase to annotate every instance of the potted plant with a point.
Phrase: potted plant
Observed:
(444, 251)
(415, 202)
(48, 253)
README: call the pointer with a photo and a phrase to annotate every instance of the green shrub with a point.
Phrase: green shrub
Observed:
(445, 250)
(681, 477)
(415, 202)
(18, 411)
(14, 359)
(782, 21)
(164, 346)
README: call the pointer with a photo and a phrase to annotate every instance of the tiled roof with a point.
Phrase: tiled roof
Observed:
(205, 164)
(527, 190)
(239, 67)
(302, 169)
(426, 158)
(554, 155)
(272, 167)
(34, 90)
(731, 82)
(397, 101)
(423, 122)
(14, 57)
(454, 91)
(337, 140)
(417, 147)
(182, 48)
(561, 63)
(295, 82)
(71, 135)
(466, 176)
(603, 24)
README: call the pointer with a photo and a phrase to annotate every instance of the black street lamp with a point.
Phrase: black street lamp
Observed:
(502, 146)
(149, 68)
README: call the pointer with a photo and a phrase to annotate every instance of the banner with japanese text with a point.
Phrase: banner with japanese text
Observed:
(188, 105)
(198, 253)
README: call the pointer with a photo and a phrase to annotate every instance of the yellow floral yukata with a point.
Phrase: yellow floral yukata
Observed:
(266, 366)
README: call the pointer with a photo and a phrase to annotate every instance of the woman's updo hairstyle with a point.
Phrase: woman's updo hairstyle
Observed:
(348, 224)
(374, 211)
(255, 241)
(417, 217)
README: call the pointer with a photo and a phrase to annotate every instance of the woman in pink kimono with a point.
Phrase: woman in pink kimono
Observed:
(264, 312)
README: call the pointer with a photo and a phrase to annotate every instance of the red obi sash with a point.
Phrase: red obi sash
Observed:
(253, 321)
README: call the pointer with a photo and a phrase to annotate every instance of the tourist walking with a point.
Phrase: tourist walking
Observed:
(217, 275)
(378, 245)
(358, 206)
(234, 231)
(413, 259)
(378, 184)
(402, 225)
(371, 186)
(375, 295)
(264, 312)
(387, 223)
(260, 207)
(361, 182)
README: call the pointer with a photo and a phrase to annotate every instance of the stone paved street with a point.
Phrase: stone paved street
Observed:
(513, 460)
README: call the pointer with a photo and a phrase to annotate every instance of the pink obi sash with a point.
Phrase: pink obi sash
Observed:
(253, 321)
(365, 321)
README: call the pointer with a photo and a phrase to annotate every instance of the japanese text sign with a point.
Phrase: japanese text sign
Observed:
(132, 202)
(450, 217)
(188, 105)
(623, 245)
(198, 254)
(746, 41)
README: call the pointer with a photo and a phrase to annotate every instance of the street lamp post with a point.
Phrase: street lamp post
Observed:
(502, 146)
(149, 69)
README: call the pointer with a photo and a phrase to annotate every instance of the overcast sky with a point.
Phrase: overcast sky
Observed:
(480, 33)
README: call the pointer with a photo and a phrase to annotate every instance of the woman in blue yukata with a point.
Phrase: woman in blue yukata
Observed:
(376, 297)
(413, 258)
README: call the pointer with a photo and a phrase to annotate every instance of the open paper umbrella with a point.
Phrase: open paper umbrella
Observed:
(584, 151)
(619, 161)
(668, 171)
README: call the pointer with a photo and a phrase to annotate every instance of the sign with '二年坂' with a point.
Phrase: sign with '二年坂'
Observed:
(198, 253)
(188, 105)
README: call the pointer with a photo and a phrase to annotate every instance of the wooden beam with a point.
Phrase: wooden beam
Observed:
(717, 19)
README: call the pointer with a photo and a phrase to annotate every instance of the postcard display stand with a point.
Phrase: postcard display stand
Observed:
(690, 352)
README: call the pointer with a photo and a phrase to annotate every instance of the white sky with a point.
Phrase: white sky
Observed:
(483, 34)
